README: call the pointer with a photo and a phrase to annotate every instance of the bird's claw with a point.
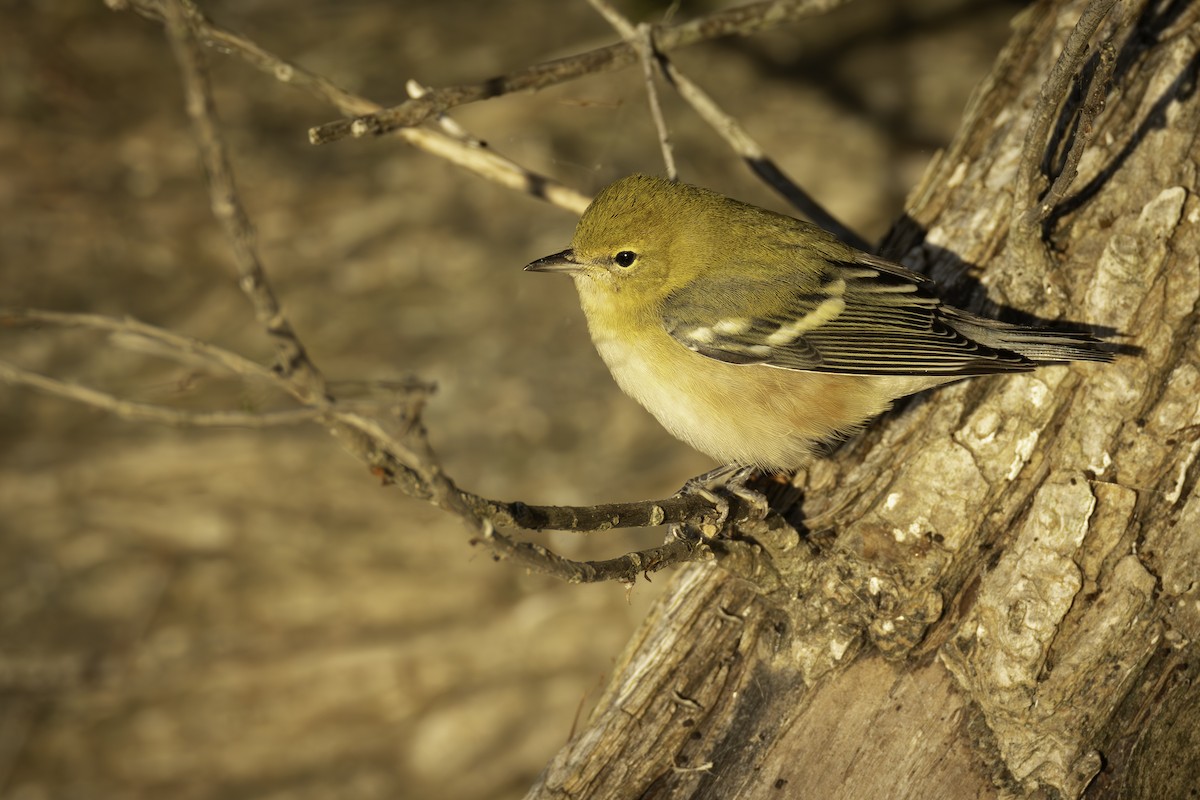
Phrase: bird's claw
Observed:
(716, 486)
(739, 486)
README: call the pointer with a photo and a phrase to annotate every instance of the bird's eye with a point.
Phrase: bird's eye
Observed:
(625, 258)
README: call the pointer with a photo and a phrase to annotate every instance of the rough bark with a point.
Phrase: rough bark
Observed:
(997, 595)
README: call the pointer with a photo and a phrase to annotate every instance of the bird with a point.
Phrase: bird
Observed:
(756, 337)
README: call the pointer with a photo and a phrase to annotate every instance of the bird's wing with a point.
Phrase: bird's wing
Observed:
(863, 317)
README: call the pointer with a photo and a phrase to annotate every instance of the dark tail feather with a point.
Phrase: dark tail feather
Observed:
(1036, 344)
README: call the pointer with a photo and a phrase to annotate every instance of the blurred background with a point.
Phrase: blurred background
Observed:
(245, 613)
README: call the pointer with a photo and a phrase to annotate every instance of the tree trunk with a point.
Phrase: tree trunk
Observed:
(996, 594)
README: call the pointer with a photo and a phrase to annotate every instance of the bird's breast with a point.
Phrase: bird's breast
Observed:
(749, 414)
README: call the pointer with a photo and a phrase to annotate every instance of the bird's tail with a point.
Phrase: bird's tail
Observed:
(1036, 344)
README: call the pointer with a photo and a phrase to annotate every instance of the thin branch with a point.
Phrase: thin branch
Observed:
(291, 359)
(729, 129)
(423, 478)
(135, 336)
(127, 331)
(1026, 206)
(1093, 104)
(293, 363)
(483, 161)
(149, 412)
(683, 508)
(642, 38)
(667, 511)
(740, 20)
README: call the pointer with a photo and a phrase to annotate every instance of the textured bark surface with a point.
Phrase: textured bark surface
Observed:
(998, 596)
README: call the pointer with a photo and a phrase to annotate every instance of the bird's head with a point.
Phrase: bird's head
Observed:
(639, 240)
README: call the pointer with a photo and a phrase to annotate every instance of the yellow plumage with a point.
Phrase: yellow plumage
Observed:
(752, 336)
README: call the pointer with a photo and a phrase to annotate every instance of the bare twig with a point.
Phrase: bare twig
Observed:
(291, 359)
(482, 161)
(136, 336)
(433, 485)
(412, 462)
(149, 412)
(727, 127)
(1027, 210)
(1093, 104)
(753, 154)
(740, 20)
(300, 373)
(642, 37)
(127, 331)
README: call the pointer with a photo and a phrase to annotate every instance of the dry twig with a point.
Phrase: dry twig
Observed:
(642, 38)
(482, 161)
(412, 466)
(1093, 104)
(1028, 209)
(291, 360)
(740, 20)
(149, 412)
(401, 450)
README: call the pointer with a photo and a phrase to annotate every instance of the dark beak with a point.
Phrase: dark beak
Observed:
(559, 262)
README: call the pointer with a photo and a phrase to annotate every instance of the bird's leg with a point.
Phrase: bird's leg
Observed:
(730, 479)
(704, 485)
(738, 485)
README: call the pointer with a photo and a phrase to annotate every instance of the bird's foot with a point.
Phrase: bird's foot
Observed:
(739, 485)
(716, 487)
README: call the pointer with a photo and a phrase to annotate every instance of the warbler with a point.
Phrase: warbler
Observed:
(753, 336)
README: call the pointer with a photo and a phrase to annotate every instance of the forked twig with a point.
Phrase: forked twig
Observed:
(1028, 209)
(642, 38)
(291, 359)
(400, 450)
(400, 461)
(484, 162)
(729, 129)
(739, 20)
